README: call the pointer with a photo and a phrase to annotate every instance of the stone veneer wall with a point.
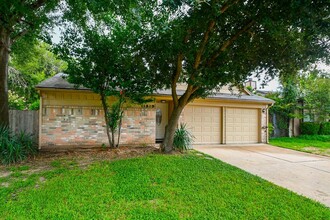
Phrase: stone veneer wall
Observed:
(264, 125)
(81, 126)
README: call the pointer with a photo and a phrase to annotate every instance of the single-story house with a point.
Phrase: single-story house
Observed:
(71, 116)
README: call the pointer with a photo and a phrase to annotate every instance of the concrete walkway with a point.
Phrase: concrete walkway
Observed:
(303, 173)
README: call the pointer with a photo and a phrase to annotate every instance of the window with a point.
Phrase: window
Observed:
(94, 112)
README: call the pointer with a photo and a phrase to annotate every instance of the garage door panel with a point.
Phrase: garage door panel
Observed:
(204, 123)
(241, 125)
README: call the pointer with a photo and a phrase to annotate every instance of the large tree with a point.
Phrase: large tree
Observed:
(207, 44)
(18, 19)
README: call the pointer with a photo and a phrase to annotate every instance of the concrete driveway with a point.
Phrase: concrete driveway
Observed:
(303, 173)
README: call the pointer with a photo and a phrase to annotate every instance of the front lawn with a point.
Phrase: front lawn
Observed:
(191, 186)
(317, 144)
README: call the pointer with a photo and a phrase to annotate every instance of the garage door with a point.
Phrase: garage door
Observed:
(204, 123)
(241, 125)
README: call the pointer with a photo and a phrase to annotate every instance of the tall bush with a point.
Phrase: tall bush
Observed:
(310, 128)
(325, 128)
(16, 147)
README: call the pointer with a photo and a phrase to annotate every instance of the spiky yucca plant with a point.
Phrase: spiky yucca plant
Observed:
(183, 139)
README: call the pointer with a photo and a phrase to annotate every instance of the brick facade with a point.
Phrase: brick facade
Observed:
(83, 125)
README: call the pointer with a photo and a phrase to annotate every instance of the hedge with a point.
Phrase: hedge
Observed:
(325, 128)
(310, 128)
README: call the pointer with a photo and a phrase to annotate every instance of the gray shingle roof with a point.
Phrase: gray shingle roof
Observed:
(59, 82)
(224, 96)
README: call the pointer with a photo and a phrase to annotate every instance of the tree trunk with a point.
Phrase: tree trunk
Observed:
(105, 109)
(5, 44)
(119, 127)
(167, 145)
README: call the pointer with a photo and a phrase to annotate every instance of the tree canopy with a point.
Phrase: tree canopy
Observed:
(207, 44)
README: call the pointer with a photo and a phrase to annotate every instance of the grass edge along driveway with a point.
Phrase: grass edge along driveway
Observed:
(316, 144)
(187, 186)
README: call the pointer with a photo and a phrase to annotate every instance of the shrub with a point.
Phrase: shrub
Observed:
(35, 105)
(310, 128)
(270, 129)
(325, 128)
(15, 147)
(182, 138)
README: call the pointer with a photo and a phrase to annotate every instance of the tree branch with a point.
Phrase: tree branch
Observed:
(230, 41)
(19, 35)
(203, 44)
(176, 74)
(38, 4)
(175, 78)
(227, 5)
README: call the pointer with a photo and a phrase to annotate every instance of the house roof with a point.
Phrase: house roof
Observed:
(224, 96)
(59, 82)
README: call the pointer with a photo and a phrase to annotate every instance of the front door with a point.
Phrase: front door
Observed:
(161, 120)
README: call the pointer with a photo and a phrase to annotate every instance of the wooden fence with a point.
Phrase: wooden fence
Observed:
(27, 121)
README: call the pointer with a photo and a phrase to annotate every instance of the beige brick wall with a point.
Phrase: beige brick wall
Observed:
(71, 126)
(82, 123)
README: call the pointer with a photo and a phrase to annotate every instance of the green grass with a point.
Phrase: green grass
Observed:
(153, 187)
(319, 144)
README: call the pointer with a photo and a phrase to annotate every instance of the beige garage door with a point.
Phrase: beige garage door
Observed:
(204, 122)
(241, 125)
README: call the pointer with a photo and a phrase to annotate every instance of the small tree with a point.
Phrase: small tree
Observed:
(102, 57)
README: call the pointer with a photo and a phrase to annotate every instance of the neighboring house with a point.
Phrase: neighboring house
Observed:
(71, 116)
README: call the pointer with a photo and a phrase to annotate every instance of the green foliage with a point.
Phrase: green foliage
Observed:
(315, 91)
(20, 21)
(208, 39)
(309, 128)
(154, 187)
(183, 138)
(116, 114)
(35, 105)
(325, 128)
(270, 129)
(108, 63)
(15, 101)
(15, 147)
(27, 68)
